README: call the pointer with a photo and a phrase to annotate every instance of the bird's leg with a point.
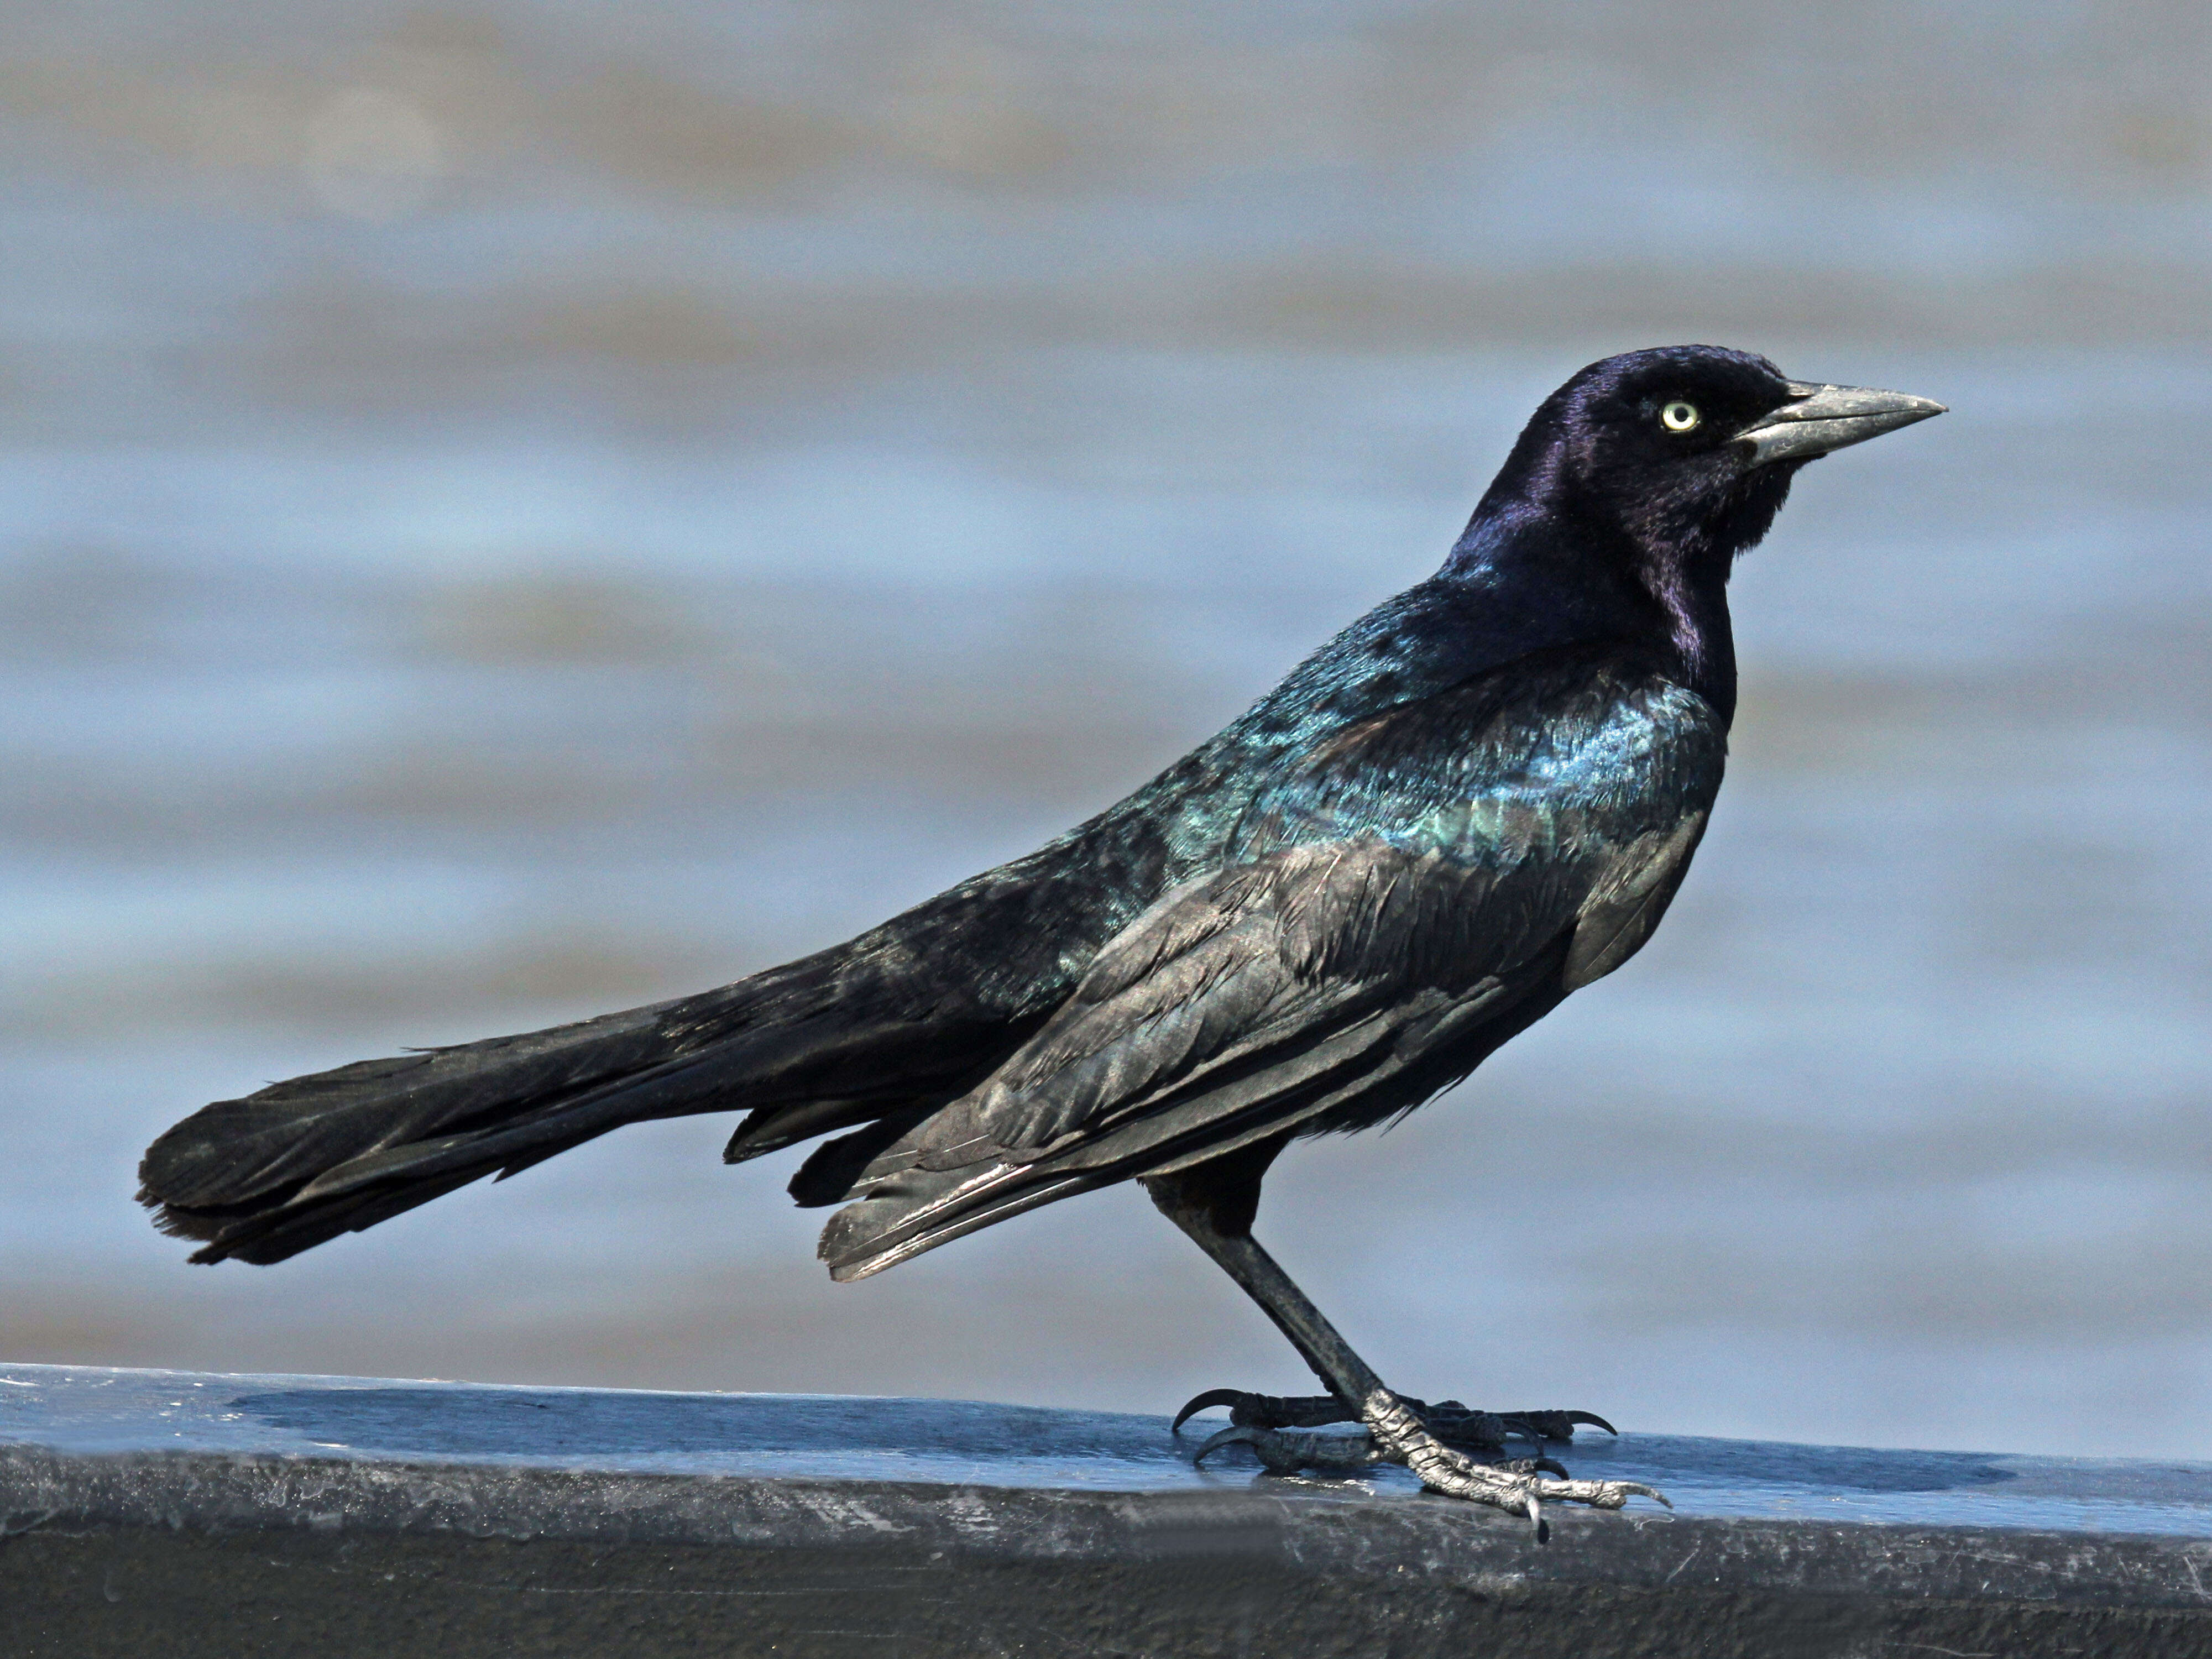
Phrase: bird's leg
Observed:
(1396, 1432)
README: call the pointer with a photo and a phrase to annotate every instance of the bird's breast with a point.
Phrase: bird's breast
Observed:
(1600, 771)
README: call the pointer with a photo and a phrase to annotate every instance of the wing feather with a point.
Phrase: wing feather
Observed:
(1379, 934)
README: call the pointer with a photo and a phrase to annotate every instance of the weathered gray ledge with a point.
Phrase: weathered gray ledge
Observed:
(183, 1514)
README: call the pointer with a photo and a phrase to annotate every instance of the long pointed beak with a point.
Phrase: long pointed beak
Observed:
(1820, 418)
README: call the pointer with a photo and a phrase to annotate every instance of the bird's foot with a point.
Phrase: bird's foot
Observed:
(1447, 1420)
(1519, 1487)
(1397, 1433)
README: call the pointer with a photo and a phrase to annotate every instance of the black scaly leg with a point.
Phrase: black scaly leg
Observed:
(1215, 1204)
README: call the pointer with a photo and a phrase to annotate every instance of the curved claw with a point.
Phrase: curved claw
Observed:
(1229, 1437)
(1552, 1424)
(1637, 1489)
(1209, 1398)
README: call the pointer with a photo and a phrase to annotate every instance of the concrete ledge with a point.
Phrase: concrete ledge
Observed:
(181, 1514)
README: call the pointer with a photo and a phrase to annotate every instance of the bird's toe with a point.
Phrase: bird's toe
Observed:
(1521, 1487)
(1232, 1398)
(1269, 1411)
(1291, 1454)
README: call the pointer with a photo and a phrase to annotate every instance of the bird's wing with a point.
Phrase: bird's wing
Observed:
(1428, 878)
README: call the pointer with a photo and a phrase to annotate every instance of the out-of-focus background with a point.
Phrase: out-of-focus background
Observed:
(517, 509)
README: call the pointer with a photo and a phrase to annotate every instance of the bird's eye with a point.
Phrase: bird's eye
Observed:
(1679, 416)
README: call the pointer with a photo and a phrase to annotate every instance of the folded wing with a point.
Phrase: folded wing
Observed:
(1382, 928)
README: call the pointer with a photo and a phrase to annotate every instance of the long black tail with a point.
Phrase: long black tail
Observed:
(879, 1030)
(302, 1160)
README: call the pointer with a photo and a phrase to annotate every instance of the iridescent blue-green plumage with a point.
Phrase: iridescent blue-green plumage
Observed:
(1477, 797)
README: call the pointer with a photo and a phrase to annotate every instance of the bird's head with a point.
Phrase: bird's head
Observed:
(1686, 451)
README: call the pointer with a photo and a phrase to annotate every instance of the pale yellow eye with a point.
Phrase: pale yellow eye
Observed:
(1679, 416)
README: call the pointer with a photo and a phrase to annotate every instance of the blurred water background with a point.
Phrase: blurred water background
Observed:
(514, 510)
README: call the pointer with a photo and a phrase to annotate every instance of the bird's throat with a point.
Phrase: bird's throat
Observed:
(1691, 593)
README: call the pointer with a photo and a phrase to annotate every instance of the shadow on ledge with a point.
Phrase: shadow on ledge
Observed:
(184, 1514)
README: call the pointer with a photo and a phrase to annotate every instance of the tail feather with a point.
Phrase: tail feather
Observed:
(892, 1025)
(280, 1137)
(303, 1160)
(266, 1176)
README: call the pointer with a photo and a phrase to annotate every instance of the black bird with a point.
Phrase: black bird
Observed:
(1478, 798)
